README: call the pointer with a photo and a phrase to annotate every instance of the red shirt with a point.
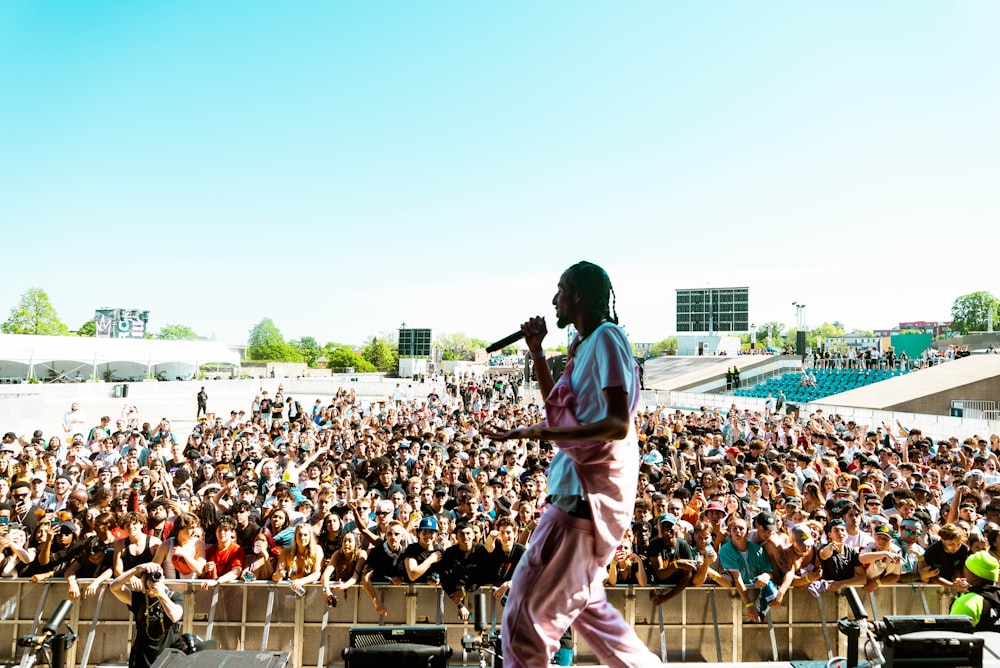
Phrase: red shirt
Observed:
(226, 559)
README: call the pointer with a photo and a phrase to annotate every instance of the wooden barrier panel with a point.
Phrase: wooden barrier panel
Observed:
(702, 624)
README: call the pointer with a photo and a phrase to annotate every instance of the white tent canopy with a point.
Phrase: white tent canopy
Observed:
(55, 358)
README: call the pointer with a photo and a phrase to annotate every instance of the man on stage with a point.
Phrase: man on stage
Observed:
(592, 484)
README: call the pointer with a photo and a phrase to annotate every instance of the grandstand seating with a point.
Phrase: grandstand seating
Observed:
(828, 382)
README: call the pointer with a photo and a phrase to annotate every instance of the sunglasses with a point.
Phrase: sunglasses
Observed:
(911, 532)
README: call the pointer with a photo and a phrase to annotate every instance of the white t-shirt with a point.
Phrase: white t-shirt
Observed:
(602, 360)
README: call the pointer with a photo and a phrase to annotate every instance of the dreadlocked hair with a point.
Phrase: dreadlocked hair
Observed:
(594, 287)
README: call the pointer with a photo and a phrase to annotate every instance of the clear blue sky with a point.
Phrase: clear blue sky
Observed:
(344, 167)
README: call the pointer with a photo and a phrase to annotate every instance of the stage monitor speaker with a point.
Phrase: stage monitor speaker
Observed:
(397, 655)
(941, 649)
(221, 658)
(398, 646)
(900, 625)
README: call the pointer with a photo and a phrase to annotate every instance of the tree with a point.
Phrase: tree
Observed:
(342, 357)
(267, 344)
(824, 333)
(308, 348)
(378, 353)
(176, 333)
(88, 328)
(34, 314)
(667, 346)
(971, 312)
(456, 346)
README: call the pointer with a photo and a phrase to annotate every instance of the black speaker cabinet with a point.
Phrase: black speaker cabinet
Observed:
(397, 646)
(941, 649)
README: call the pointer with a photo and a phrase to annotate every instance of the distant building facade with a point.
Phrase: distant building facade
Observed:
(934, 328)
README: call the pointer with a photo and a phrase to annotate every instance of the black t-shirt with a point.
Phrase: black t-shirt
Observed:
(680, 549)
(498, 567)
(59, 560)
(950, 566)
(154, 632)
(95, 558)
(417, 551)
(245, 537)
(840, 565)
(463, 569)
(384, 566)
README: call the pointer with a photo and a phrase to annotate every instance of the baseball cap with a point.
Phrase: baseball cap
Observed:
(765, 520)
(715, 505)
(427, 524)
(884, 529)
(667, 518)
(802, 536)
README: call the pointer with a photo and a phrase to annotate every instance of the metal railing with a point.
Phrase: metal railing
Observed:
(975, 408)
(701, 624)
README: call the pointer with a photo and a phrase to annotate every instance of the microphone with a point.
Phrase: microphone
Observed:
(505, 341)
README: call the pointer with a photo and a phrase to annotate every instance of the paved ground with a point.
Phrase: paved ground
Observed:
(178, 405)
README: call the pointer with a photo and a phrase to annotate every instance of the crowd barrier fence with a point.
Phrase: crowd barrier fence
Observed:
(701, 624)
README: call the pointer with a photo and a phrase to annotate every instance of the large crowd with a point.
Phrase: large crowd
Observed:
(344, 491)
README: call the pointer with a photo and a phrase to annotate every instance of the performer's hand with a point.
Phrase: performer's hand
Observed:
(534, 332)
(494, 434)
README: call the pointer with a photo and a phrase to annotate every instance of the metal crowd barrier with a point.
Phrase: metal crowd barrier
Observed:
(701, 624)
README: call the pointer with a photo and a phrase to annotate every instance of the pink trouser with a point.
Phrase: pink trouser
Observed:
(557, 585)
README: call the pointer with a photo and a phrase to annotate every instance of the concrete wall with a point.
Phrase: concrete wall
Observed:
(939, 403)
(17, 407)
